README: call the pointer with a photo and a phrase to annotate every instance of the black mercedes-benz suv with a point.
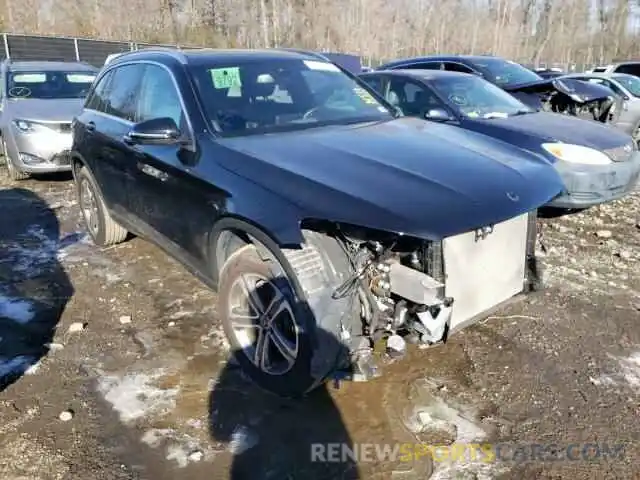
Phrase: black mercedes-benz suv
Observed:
(323, 220)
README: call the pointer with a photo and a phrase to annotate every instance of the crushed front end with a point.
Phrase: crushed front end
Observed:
(418, 291)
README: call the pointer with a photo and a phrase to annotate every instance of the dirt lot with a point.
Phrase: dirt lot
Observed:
(135, 381)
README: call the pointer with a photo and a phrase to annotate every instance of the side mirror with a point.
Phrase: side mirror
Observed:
(160, 131)
(438, 115)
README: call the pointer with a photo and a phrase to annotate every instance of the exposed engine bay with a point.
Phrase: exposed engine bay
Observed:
(417, 291)
(571, 97)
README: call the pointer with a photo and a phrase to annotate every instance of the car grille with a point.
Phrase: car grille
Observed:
(620, 154)
(62, 127)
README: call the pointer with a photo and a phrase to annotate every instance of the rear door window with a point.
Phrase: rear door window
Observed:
(123, 92)
(97, 99)
(457, 67)
(424, 66)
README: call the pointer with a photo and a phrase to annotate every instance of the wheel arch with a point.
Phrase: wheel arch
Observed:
(232, 232)
(78, 162)
(314, 286)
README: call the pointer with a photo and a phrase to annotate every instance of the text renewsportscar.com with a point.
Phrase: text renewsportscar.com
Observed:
(467, 452)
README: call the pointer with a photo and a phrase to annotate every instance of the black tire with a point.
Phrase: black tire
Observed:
(635, 134)
(107, 231)
(299, 379)
(11, 171)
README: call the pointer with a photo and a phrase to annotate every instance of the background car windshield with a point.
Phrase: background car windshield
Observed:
(506, 72)
(49, 84)
(629, 82)
(477, 98)
(259, 96)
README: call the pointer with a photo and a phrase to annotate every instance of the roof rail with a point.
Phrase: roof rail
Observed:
(175, 52)
(305, 52)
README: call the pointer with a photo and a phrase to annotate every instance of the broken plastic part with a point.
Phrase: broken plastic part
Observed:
(435, 326)
(415, 286)
(396, 346)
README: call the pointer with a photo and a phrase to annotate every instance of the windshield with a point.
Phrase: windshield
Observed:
(474, 97)
(629, 82)
(261, 96)
(49, 84)
(506, 72)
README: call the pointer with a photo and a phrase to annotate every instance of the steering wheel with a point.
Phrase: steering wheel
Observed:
(310, 113)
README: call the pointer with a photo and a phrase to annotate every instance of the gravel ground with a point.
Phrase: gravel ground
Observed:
(114, 366)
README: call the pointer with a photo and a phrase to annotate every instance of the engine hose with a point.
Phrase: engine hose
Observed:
(373, 307)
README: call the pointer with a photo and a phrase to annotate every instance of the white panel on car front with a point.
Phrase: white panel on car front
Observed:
(484, 272)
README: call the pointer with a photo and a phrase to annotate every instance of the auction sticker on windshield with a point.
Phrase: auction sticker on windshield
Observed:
(226, 77)
(365, 96)
(321, 66)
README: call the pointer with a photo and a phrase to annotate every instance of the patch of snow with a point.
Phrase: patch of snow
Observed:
(439, 415)
(180, 448)
(602, 380)
(181, 314)
(37, 250)
(628, 375)
(33, 369)
(16, 309)
(135, 396)
(156, 436)
(461, 470)
(630, 368)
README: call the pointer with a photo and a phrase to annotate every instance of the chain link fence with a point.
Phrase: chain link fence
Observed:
(66, 49)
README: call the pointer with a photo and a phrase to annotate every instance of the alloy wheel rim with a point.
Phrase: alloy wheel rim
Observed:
(263, 323)
(89, 206)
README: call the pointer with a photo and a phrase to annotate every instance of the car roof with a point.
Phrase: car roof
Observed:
(420, 74)
(194, 56)
(42, 65)
(597, 75)
(463, 58)
(587, 74)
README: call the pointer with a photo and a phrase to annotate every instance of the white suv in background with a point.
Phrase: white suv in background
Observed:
(632, 68)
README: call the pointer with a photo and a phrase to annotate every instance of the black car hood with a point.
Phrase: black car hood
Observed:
(553, 127)
(406, 175)
(581, 91)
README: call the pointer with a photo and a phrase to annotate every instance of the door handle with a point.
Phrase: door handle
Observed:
(91, 127)
(153, 172)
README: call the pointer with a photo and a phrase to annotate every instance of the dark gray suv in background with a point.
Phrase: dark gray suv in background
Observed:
(38, 101)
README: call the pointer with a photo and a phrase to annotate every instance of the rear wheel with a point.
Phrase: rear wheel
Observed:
(11, 171)
(103, 229)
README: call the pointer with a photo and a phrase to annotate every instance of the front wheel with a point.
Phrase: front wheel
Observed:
(636, 134)
(12, 172)
(265, 323)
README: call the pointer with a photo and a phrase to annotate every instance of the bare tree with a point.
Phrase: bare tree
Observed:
(531, 31)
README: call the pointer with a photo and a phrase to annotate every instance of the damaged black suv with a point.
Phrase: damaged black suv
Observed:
(323, 220)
